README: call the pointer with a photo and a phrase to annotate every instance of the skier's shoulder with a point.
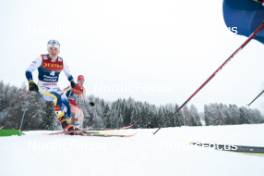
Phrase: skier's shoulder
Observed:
(37, 61)
(60, 59)
(46, 57)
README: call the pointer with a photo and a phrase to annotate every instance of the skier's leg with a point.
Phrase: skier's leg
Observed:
(47, 96)
(62, 112)
(80, 118)
(66, 103)
(74, 114)
(57, 104)
(54, 95)
(77, 116)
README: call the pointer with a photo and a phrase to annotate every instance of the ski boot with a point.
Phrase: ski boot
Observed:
(66, 123)
(67, 126)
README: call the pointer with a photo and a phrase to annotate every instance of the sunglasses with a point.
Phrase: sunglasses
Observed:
(53, 48)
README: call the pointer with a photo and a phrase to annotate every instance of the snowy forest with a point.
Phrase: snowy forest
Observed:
(16, 102)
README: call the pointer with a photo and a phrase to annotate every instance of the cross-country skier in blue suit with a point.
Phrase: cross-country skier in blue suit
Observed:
(49, 67)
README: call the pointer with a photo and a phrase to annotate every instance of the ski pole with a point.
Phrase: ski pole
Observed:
(256, 98)
(22, 120)
(252, 36)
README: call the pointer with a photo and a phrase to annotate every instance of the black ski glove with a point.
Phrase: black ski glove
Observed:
(33, 86)
(91, 103)
(73, 84)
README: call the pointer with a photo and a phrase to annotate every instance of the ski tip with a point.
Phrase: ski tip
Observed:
(92, 133)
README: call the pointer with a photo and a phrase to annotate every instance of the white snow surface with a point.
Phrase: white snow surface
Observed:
(168, 153)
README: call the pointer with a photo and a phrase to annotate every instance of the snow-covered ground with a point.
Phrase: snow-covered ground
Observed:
(167, 153)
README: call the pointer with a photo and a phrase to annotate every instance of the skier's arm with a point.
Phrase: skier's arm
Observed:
(33, 66)
(66, 89)
(68, 74)
(91, 103)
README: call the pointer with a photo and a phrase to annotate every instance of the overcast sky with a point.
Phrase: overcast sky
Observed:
(158, 51)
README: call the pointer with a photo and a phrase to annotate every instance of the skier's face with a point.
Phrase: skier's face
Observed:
(54, 51)
(80, 82)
